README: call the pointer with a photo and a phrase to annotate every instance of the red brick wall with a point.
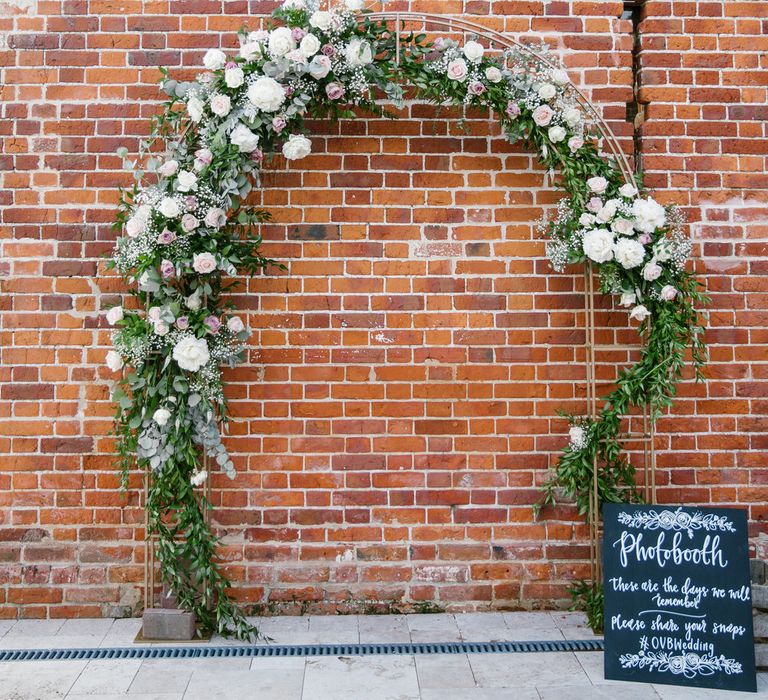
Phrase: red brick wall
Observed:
(399, 404)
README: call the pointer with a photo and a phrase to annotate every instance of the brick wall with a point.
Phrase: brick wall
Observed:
(399, 404)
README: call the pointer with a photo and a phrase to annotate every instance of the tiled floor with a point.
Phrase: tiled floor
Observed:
(546, 676)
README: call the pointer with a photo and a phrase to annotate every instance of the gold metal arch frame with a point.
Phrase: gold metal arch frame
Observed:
(646, 435)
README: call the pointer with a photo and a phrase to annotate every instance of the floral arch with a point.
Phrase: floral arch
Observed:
(186, 226)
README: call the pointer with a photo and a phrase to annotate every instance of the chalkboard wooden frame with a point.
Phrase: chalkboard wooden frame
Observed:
(678, 602)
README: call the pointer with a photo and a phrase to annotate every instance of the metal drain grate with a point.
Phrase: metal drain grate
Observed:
(255, 650)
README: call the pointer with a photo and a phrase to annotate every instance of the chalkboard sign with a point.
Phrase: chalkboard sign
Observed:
(678, 602)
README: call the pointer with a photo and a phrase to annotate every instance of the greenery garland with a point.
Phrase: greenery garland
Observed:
(186, 227)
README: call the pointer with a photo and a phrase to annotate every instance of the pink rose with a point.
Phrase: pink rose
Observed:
(476, 87)
(457, 69)
(203, 157)
(668, 292)
(335, 91)
(203, 263)
(190, 202)
(513, 110)
(216, 217)
(278, 124)
(167, 269)
(166, 237)
(257, 156)
(168, 168)
(645, 239)
(542, 115)
(575, 143)
(595, 204)
(182, 323)
(328, 50)
(134, 226)
(189, 222)
(213, 323)
(652, 271)
(297, 34)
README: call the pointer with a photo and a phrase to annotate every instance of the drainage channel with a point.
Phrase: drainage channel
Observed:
(272, 650)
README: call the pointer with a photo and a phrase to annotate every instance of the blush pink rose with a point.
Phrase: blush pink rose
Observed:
(542, 115)
(457, 69)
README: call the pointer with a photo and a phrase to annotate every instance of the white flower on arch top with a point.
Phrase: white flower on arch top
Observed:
(187, 227)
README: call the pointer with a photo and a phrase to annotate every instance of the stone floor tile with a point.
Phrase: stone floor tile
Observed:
(361, 677)
(440, 627)
(632, 691)
(482, 627)
(286, 664)
(38, 680)
(5, 627)
(156, 678)
(679, 692)
(333, 629)
(480, 694)
(35, 628)
(106, 676)
(121, 696)
(284, 629)
(246, 684)
(527, 670)
(122, 632)
(444, 671)
(383, 629)
(86, 627)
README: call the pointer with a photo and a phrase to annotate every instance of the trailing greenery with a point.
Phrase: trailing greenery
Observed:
(588, 597)
(187, 231)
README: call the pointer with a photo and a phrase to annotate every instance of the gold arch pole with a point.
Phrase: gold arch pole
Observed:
(647, 436)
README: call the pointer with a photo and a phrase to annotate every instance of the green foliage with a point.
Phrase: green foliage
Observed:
(589, 598)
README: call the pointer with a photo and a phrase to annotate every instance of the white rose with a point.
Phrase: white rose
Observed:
(169, 207)
(168, 168)
(652, 271)
(353, 5)
(135, 226)
(597, 184)
(214, 59)
(216, 217)
(661, 250)
(493, 74)
(321, 20)
(161, 328)
(628, 191)
(474, 51)
(571, 116)
(250, 50)
(235, 324)
(649, 215)
(587, 219)
(607, 211)
(559, 77)
(161, 416)
(639, 313)
(195, 108)
(245, 140)
(191, 353)
(358, 53)
(309, 45)
(629, 253)
(186, 181)
(203, 263)
(193, 302)
(628, 298)
(114, 361)
(623, 226)
(547, 91)
(598, 245)
(221, 105)
(153, 313)
(198, 478)
(668, 292)
(556, 134)
(320, 67)
(281, 41)
(297, 147)
(296, 56)
(234, 77)
(114, 315)
(266, 94)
